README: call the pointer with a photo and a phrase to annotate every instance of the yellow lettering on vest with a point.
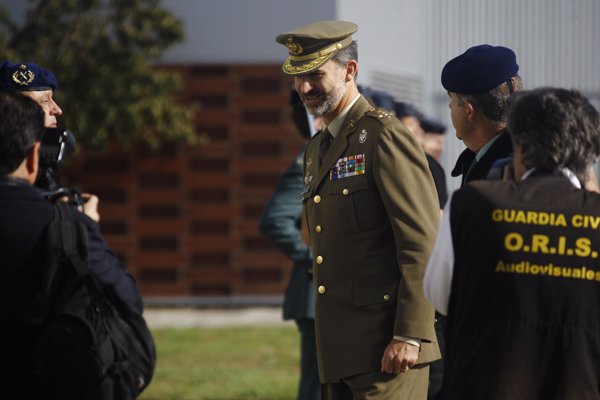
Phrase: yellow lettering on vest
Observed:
(560, 220)
(590, 275)
(543, 218)
(497, 215)
(562, 242)
(583, 247)
(513, 241)
(500, 267)
(539, 244)
(532, 217)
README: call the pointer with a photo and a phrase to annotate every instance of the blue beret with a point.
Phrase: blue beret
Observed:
(479, 69)
(25, 77)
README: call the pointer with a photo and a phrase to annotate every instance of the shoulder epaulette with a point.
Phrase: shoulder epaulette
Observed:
(380, 113)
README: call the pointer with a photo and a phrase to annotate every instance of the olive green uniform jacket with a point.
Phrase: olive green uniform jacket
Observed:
(372, 212)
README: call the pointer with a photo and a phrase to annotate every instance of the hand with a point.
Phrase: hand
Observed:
(90, 206)
(508, 173)
(398, 357)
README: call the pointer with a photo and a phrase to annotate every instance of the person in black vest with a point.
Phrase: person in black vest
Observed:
(515, 265)
(479, 83)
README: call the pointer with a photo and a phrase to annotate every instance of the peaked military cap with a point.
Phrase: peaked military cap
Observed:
(26, 77)
(479, 69)
(313, 45)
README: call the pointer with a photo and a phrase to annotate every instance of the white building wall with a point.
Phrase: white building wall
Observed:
(391, 40)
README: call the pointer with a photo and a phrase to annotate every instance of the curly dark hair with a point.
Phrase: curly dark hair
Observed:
(21, 125)
(555, 128)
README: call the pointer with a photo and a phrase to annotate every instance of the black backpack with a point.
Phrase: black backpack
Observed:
(89, 344)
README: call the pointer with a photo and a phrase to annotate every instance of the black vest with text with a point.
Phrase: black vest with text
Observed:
(524, 310)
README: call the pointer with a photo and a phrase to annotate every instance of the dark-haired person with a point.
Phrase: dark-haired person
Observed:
(40, 84)
(479, 83)
(24, 213)
(516, 263)
(372, 213)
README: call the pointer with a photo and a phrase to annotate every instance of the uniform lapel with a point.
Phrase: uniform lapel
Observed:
(340, 143)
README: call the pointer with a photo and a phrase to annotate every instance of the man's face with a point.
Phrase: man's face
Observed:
(45, 100)
(322, 90)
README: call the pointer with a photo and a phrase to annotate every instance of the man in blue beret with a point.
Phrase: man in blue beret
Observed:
(480, 82)
(32, 81)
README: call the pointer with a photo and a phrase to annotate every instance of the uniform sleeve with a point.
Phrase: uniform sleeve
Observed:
(407, 190)
(105, 265)
(280, 219)
(440, 268)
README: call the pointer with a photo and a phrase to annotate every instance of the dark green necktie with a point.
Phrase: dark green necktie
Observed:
(326, 140)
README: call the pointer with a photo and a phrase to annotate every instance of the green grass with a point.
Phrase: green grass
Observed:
(239, 363)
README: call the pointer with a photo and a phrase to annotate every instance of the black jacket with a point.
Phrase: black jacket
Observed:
(24, 214)
(501, 148)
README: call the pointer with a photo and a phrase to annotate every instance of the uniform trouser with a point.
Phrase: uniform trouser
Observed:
(309, 387)
(409, 385)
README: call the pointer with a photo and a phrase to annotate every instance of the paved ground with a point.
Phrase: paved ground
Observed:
(189, 317)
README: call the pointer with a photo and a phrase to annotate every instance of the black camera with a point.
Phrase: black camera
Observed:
(58, 144)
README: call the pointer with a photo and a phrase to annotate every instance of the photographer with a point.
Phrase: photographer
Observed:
(24, 211)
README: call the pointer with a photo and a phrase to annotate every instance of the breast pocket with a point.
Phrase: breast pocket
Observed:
(356, 205)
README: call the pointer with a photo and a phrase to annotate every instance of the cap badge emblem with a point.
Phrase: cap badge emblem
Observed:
(23, 76)
(294, 47)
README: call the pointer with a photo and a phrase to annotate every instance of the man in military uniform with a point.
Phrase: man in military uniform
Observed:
(480, 82)
(515, 265)
(372, 212)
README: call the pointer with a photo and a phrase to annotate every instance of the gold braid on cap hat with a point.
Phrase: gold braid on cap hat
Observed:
(315, 60)
(321, 53)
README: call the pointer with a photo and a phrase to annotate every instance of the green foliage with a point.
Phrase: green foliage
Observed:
(260, 362)
(102, 53)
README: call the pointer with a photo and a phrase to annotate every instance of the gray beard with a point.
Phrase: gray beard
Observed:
(331, 101)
